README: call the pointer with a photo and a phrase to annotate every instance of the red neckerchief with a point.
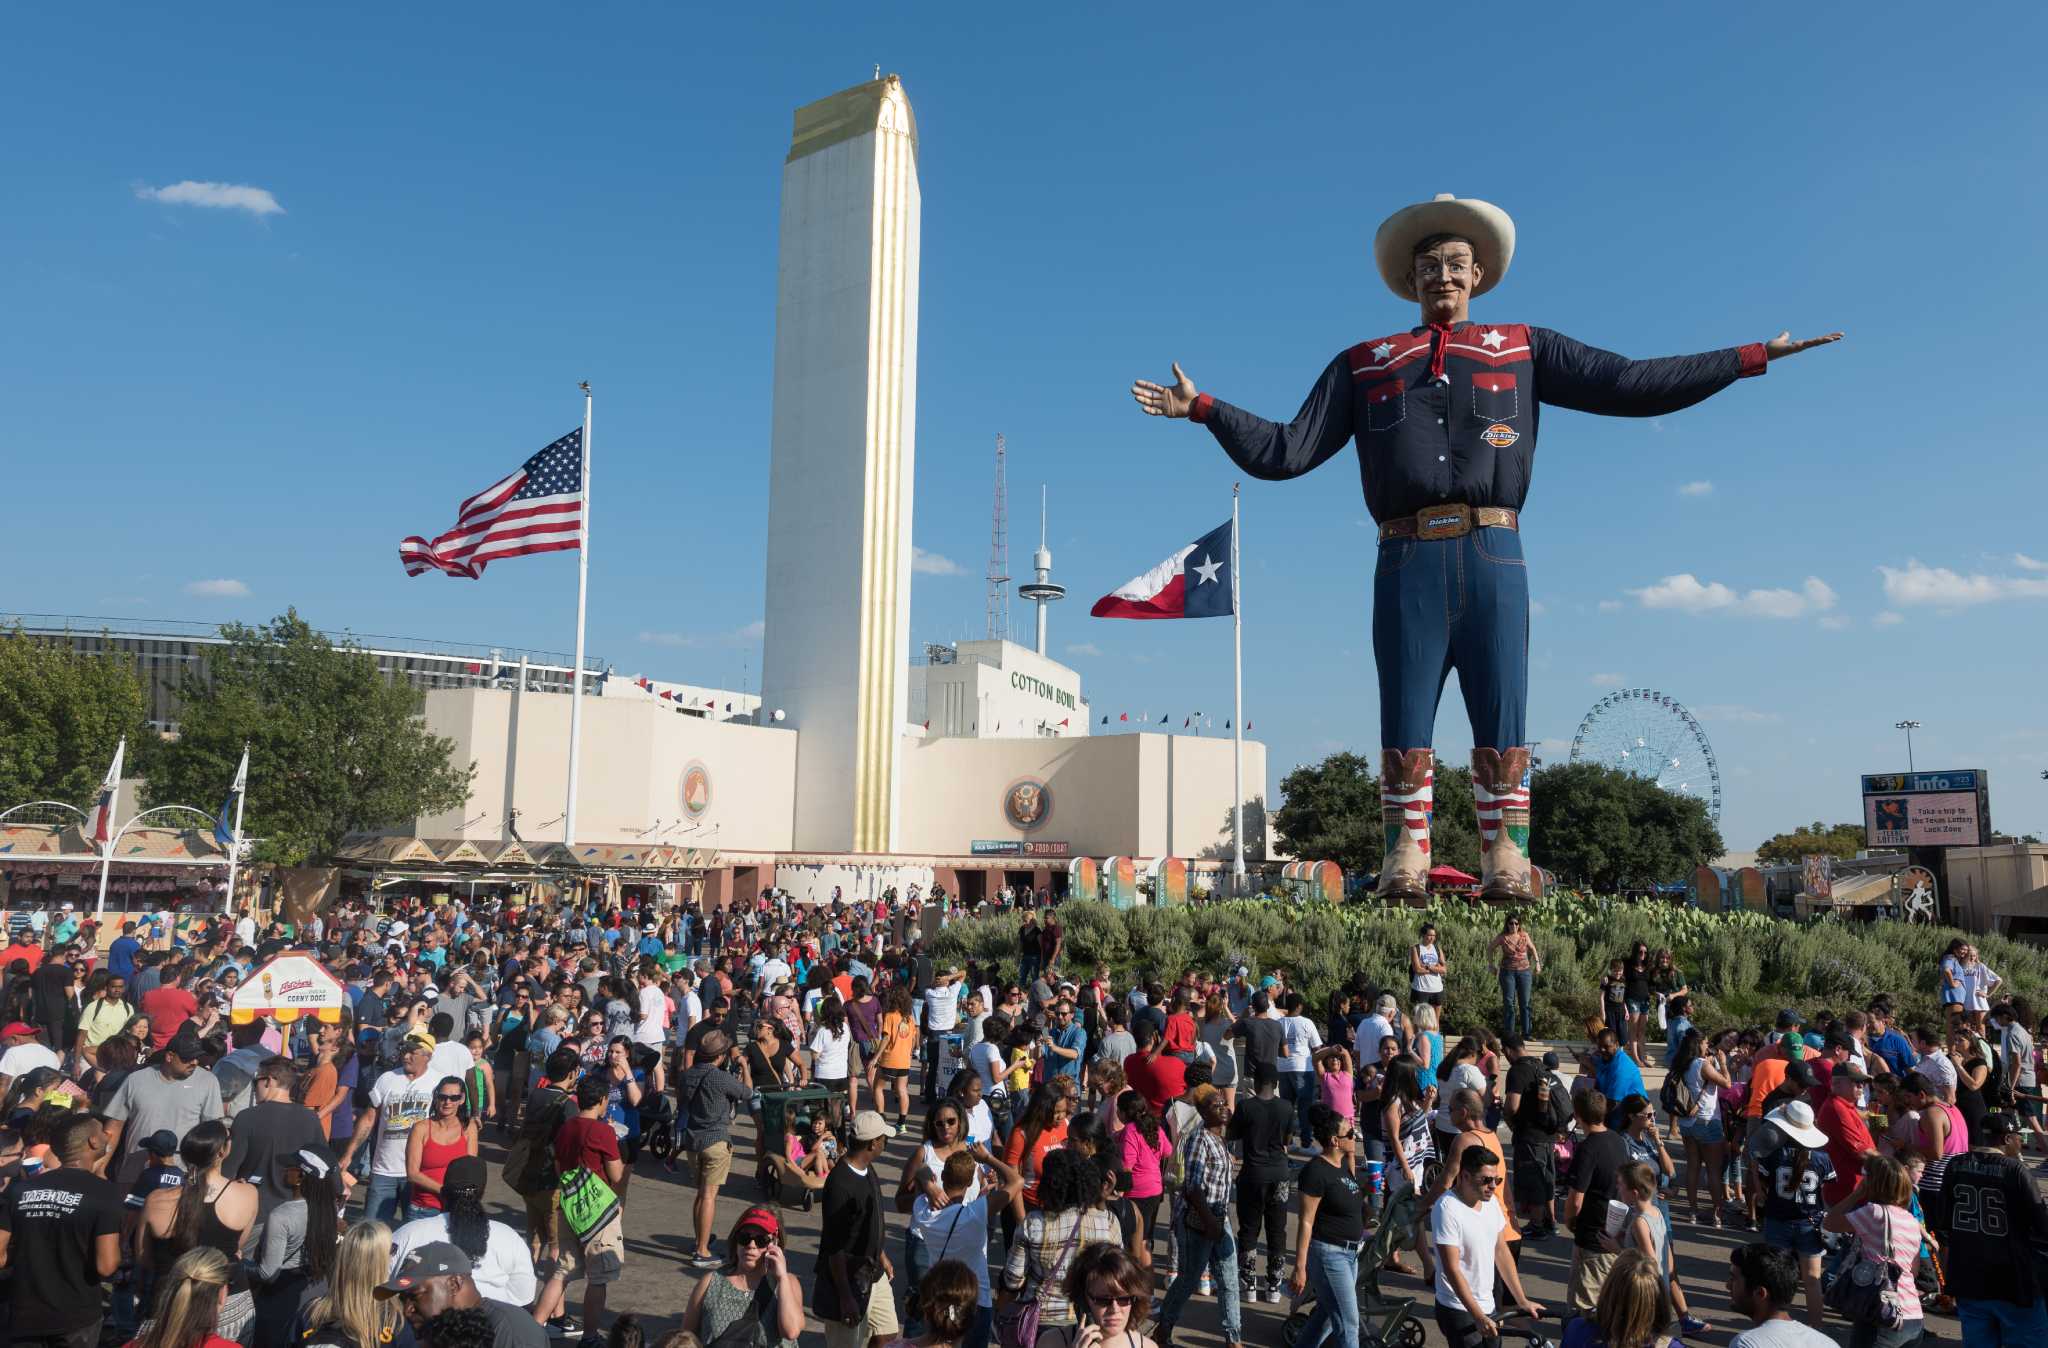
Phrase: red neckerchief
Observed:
(1436, 353)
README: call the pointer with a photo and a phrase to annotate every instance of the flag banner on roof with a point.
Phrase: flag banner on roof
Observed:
(538, 508)
(1194, 582)
(99, 820)
(224, 827)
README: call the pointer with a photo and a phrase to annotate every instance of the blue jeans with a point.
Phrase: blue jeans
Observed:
(1300, 1089)
(1219, 1257)
(384, 1199)
(1516, 986)
(2000, 1324)
(1452, 603)
(1333, 1280)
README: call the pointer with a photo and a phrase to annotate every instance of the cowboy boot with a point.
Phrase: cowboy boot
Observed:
(1503, 806)
(1406, 784)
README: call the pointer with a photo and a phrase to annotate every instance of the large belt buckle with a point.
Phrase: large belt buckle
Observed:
(1444, 521)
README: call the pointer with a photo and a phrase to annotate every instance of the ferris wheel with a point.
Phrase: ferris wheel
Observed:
(1651, 734)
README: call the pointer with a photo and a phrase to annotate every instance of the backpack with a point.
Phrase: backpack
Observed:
(530, 1166)
(1559, 1100)
(1677, 1101)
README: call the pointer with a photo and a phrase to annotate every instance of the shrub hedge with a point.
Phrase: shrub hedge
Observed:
(1741, 966)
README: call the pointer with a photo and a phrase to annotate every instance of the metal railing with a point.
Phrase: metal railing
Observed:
(166, 629)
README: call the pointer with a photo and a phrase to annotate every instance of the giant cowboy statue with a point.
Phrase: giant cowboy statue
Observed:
(1445, 418)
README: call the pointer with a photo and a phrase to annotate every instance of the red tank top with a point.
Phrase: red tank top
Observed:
(435, 1158)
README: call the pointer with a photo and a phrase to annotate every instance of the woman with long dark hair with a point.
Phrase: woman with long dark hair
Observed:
(503, 1266)
(1042, 1129)
(118, 1057)
(1405, 1125)
(832, 1053)
(434, 1142)
(209, 1210)
(299, 1237)
(1142, 1149)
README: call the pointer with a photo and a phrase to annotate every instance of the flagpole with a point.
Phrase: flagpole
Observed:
(582, 601)
(1237, 871)
(235, 844)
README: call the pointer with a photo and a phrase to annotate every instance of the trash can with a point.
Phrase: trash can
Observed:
(779, 1111)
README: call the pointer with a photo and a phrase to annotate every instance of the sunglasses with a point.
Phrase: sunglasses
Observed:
(1118, 1299)
(448, 1099)
(761, 1238)
(1487, 1181)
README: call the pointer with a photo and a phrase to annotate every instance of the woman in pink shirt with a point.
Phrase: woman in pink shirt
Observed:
(1141, 1147)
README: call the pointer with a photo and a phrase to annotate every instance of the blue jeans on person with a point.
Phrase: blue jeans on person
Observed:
(1300, 1089)
(1516, 985)
(1333, 1281)
(1990, 1323)
(1452, 603)
(1219, 1257)
(384, 1199)
(917, 1261)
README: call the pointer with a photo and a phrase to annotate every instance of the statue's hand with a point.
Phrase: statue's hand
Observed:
(1783, 345)
(1158, 400)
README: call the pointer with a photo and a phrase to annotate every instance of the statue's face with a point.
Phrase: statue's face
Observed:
(1445, 274)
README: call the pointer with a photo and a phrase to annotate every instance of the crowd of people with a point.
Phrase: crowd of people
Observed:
(1081, 1157)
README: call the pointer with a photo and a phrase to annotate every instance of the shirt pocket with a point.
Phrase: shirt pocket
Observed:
(1495, 397)
(1386, 405)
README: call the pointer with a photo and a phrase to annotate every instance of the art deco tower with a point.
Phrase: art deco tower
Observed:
(842, 450)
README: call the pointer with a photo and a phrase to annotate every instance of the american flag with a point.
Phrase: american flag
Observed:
(537, 509)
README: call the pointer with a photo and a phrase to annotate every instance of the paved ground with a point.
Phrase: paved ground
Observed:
(656, 1285)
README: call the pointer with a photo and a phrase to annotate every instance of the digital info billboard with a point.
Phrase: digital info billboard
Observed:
(1927, 809)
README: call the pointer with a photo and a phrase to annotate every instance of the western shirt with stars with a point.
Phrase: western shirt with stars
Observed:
(1447, 414)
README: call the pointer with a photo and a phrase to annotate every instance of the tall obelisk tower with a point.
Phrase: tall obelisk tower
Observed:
(837, 630)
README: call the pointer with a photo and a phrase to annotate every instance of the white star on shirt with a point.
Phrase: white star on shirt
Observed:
(1383, 350)
(1207, 570)
(1492, 339)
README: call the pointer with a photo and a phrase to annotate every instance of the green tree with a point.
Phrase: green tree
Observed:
(1332, 813)
(61, 714)
(1841, 841)
(334, 746)
(1613, 830)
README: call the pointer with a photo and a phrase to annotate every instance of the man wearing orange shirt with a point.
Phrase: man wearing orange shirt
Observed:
(1768, 1070)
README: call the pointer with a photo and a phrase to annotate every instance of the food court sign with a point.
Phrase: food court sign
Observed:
(1927, 809)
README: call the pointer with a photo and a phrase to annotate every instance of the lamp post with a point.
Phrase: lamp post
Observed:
(1909, 727)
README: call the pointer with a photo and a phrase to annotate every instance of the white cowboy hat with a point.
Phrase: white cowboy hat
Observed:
(1794, 1119)
(1481, 223)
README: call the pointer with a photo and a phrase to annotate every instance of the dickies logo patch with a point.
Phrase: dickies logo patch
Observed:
(1499, 436)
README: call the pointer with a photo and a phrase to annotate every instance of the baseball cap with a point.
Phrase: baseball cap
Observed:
(1799, 1073)
(1852, 1072)
(186, 1044)
(162, 1142)
(435, 1259)
(466, 1172)
(419, 1039)
(1790, 1017)
(759, 1218)
(869, 1125)
(14, 1028)
(1269, 982)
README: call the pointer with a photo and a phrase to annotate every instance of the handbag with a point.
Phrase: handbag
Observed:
(1017, 1322)
(752, 1327)
(1865, 1292)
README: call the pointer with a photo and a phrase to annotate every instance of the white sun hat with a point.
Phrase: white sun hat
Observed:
(1486, 226)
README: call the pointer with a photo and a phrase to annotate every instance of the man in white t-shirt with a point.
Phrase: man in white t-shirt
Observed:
(941, 1017)
(399, 1099)
(774, 970)
(650, 1027)
(689, 1006)
(25, 1053)
(958, 1229)
(1469, 1230)
(1365, 1043)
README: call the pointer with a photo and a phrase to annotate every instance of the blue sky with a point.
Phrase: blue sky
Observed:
(220, 410)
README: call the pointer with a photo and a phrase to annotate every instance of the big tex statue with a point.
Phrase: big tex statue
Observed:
(1444, 414)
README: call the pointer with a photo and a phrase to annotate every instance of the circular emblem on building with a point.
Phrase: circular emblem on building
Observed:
(695, 789)
(1027, 804)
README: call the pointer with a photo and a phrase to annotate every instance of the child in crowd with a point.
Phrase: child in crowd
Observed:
(1334, 1072)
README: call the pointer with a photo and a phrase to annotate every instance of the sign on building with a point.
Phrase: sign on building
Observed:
(1927, 809)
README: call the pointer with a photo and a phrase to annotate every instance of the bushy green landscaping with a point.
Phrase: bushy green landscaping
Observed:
(1741, 966)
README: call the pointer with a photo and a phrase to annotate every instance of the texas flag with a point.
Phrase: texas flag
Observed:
(1193, 583)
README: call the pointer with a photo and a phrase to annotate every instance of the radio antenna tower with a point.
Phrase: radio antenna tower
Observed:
(999, 557)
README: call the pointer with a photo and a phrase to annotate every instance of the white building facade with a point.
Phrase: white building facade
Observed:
(995, 690)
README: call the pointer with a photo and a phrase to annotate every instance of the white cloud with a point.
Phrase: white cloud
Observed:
(217, 589)
(1606, 680)
(1701, 488)
(1610, 605)
(1741, 715)
(1084, 648)
(742, 636)
(932, 564)
(1686, 593)
(221, 196)
(1836, 622)
(2026, 563)
(1537, 608)
(1887, 619)
(1919, 583)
